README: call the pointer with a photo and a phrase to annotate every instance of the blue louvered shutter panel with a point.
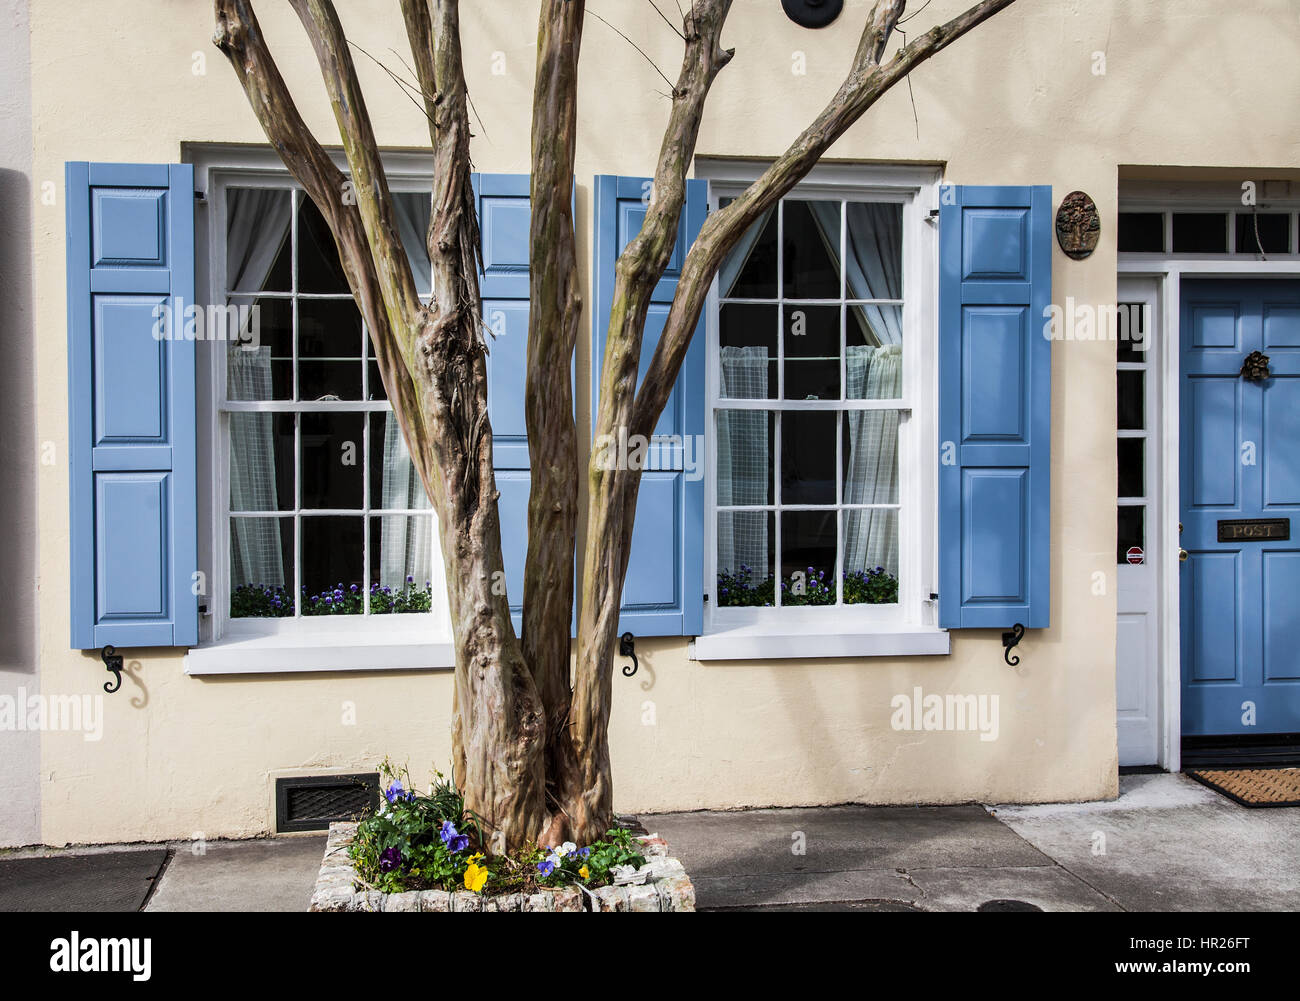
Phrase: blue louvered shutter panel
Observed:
(131, 405)
(502, 203)
(995, 406)
(663, 594)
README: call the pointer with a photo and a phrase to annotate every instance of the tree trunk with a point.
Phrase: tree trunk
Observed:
(519, 734)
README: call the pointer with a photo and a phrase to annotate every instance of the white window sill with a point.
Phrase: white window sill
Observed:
(757, 643)
(330, 650)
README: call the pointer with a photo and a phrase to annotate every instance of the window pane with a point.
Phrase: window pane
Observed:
(746, 543)
(394, 482)
(871, 557)
(750, 269)
(1131, 320)
(1142, 232)
(261, 462)
(873, 373)
(1274, 233)
(319, 269)
(261, 567)
(875, 326)
(808, 557)
(875, 250)
(1131, 530)
(1130, 400)
(1132, 473)
(332, 557)
(746, 444)
(329, 349)
(747, 359)
(401, 548)
(1200, 232)
(870, 457)
(333, 455)
(413, 210)
(811, 250)
(261, 368)
(257, 240)
(812, 352)
(375, 387)
(808, 457)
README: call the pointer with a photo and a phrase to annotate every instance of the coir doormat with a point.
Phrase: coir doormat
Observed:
(1253, 786)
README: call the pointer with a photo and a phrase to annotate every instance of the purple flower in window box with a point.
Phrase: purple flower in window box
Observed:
(390, 859)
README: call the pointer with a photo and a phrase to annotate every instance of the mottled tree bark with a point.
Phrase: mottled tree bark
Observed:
(531, 753)
(432, 361)
(554, 312)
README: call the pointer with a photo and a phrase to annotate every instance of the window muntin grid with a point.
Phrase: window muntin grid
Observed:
(784, 411)
(360, 417)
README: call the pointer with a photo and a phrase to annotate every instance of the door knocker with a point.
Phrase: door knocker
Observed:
(1255, 367)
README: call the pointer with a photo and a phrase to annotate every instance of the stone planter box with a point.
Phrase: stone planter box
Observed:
(666, 888)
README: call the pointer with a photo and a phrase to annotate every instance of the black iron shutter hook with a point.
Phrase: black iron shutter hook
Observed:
(113, 662)
(627, 648)
(1009, 639)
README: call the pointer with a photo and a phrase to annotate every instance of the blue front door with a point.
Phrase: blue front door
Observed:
(1240, 497)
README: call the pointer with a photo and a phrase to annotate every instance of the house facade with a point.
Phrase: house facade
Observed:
(964, 492)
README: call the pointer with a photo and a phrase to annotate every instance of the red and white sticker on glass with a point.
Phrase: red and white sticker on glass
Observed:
(1134, 555)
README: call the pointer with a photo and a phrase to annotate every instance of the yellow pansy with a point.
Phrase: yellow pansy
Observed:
(584, 872)
(475, 877)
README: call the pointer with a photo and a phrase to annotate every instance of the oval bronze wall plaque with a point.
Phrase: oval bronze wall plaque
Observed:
(1078, 227)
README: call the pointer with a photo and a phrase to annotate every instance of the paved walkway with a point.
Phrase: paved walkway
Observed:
(1167, 843)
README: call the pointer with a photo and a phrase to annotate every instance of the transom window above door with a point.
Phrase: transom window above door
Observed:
(326, 513)
(808, 397)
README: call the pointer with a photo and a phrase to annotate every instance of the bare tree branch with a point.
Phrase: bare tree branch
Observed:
(239, 36)
(419, 32)
(369, 184)
(866, 82)
(609, 524)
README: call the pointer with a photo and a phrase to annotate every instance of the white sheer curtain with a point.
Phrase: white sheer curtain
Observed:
(873, 371)
(871, 472)
(406, 543)
(744, 458)
(258, 222)
(874, 240)
(739, 256)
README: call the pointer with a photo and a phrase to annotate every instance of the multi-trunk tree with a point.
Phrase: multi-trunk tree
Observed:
(530, 745)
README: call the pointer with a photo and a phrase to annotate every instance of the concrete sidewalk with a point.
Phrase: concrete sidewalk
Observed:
(1166, 844)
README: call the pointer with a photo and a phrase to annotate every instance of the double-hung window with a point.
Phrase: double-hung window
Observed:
(321, 513)
(821, 386)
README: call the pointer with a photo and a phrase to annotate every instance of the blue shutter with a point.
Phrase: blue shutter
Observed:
(502, 204)
(995, 406)
(663, 594)
(131, 418)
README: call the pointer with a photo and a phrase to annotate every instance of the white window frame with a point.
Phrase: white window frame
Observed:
(418, 641)
(910, 626)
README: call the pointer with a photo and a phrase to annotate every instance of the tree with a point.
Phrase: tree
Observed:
(530, 747)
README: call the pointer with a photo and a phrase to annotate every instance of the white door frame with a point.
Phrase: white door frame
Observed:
(1168, 270)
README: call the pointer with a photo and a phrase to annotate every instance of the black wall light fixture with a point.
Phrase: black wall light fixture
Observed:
(812, 13)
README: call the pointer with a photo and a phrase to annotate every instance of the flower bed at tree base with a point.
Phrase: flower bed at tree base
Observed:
(666, 887)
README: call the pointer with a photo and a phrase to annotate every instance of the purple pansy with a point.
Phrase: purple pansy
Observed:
(454, 841)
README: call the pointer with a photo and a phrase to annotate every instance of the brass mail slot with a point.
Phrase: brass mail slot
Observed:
(1254, 529)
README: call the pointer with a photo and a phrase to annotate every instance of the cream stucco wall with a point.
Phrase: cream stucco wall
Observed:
(1016, 102)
